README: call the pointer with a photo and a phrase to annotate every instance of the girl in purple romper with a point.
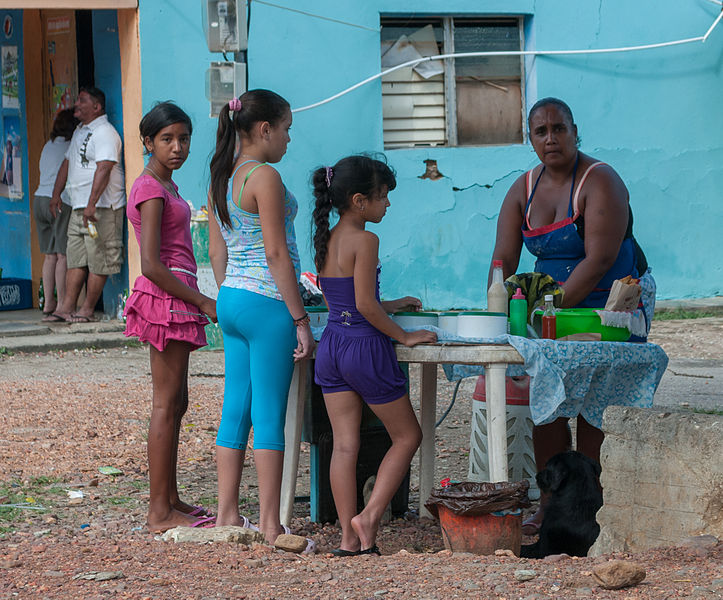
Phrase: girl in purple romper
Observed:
(355, 359)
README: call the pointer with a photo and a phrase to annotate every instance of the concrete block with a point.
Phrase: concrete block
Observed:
(662, 476)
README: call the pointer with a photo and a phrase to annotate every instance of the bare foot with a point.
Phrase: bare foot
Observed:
(366, 529)
(175, 518)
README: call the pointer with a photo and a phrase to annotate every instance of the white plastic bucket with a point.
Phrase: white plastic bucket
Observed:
(448, 322)
(476, 324)
(408, 320)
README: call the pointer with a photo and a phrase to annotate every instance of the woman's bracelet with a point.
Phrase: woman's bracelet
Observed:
(302, 321)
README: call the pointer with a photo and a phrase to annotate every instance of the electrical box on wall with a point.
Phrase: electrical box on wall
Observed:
(224, 22)
(224, 81)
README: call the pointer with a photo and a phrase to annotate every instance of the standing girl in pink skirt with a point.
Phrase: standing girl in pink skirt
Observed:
(166, 309)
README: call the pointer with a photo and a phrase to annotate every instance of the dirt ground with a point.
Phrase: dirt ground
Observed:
(69, 530)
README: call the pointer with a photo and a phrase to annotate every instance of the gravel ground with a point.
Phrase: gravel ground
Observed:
(66, 415)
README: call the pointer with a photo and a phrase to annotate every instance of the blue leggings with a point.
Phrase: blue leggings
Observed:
(259, 338)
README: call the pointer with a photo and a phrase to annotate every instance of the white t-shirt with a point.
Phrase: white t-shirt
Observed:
(97, 141)
(50, 160)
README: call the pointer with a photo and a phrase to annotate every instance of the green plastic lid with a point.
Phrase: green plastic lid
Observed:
(316, 309)
(448, 314)
(483, 314)
(414, 314)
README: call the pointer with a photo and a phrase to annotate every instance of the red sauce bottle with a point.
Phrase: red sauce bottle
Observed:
(549, 321)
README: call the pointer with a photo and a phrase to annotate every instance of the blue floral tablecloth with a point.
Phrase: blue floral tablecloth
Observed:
(577, 378)
(573, 378)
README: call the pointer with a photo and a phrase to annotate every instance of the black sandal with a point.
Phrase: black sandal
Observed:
(373, 550)
(341, 553)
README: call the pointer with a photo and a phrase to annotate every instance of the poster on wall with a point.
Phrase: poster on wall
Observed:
(11, 176)
(10, 77)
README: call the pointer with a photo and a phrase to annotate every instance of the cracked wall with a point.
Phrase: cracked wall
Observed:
(654, 116)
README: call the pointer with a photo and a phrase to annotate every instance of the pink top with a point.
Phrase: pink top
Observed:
(176, 246)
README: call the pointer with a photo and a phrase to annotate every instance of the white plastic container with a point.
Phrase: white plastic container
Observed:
(478, 324)
(448, 322)
(407, 320)
(318, 315)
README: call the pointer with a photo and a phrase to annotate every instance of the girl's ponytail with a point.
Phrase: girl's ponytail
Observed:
(253, 106)
(322, 209)
(222, 164)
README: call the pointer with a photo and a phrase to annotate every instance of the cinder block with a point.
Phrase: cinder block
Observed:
(662, 477)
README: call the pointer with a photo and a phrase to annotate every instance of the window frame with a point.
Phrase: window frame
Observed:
(450, 80)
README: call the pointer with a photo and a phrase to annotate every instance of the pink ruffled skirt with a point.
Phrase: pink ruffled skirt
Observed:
(154, 316)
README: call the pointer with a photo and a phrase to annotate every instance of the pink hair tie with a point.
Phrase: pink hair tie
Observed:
(235, 104)
(329, 176)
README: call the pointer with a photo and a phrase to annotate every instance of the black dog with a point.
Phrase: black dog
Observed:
(568, 526)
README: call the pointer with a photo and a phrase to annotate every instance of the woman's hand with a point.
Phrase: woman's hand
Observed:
(208, 308)
(306, 345)
(422, 336)
(408, 303)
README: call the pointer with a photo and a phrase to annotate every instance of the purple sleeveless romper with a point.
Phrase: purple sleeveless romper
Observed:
(353, 355)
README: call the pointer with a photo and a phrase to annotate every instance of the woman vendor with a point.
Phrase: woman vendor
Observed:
(572, 212)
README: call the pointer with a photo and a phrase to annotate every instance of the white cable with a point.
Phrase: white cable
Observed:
(712, 27)
(701, 38)
(308, 14)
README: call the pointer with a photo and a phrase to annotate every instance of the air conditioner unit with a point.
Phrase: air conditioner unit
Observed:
(224, 81)
(224, 22)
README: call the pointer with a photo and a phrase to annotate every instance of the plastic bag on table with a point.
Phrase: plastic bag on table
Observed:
(472, 498)
(534, 286)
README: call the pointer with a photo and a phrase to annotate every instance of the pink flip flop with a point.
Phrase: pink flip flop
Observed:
(530, 527)
(204, 523)
(199, 511)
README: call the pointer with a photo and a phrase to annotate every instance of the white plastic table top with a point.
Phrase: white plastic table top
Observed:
(494, 357)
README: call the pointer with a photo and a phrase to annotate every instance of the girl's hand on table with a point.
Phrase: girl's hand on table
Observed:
(422, 336)
(408, 303)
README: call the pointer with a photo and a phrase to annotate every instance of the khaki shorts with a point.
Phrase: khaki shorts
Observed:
(52, 231)
(102, 255)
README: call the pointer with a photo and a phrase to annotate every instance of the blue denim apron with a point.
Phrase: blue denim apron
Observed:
(559, 248)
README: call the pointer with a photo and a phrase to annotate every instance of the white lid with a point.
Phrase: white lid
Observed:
(548, 297)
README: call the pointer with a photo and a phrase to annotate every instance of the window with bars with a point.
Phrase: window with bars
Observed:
(456, 101)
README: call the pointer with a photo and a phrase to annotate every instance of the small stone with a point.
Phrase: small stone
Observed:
(254, 563)
(221, 533)
(39, 548)
(555, 558)
(524, 574)
(585, 591)
(617, 574)
(504, 552)
(291, 543)
(100, 575)
(53, 574)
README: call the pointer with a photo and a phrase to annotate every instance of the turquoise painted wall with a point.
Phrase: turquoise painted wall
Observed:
(15, 213)
(654, 115)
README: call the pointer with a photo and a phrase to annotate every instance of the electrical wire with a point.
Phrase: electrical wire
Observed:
(451, 404)
(700, 38)
(308, 14)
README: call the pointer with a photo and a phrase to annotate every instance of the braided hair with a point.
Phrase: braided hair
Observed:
(334, 188)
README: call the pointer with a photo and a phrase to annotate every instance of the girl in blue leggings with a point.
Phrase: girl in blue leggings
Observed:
(252, 247)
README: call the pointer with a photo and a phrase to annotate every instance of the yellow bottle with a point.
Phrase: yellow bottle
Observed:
(92, 231)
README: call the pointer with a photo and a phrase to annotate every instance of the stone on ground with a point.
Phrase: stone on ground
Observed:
(617, 574)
